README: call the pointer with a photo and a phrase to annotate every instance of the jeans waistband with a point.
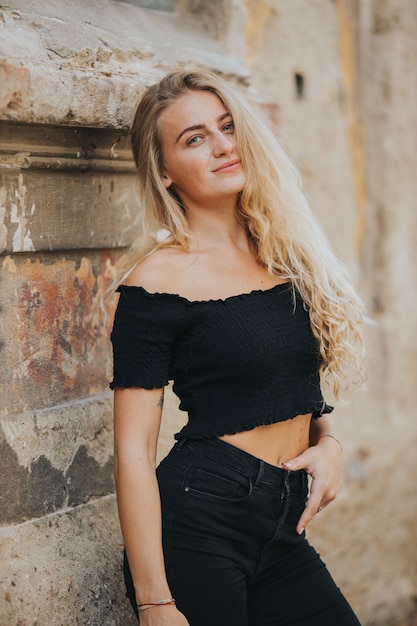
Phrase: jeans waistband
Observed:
(245, 463)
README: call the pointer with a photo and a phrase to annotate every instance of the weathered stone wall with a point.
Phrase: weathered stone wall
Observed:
(337, 76)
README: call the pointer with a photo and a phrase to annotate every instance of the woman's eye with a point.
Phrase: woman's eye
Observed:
(229, 127)
(194, 140)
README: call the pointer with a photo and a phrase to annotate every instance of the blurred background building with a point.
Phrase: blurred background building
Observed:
(338, 80)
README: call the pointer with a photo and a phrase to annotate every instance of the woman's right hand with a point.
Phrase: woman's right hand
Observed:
(163, 616)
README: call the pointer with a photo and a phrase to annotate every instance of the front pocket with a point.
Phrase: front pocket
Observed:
(206, 484)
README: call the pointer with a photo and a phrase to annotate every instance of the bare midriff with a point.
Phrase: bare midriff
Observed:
(274, 443)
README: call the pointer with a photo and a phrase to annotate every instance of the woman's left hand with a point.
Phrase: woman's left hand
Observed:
(323, 462)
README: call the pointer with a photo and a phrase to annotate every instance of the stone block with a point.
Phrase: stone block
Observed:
(55, 329)
(87, 66)
(64, 188)
(65, 570)
(55, 458)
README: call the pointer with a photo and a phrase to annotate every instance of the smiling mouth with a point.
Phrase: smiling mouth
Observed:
(231, 166)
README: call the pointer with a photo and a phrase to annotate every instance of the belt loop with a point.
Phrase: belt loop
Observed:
(180, 444)
(260, 474)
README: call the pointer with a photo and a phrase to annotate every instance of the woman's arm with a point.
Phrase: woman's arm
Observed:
(137, 419)
(323, 462)
(322, 427)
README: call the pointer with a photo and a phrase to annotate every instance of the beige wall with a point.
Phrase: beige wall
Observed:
(69, 76)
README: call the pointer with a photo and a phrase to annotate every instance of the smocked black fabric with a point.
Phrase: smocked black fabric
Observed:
(236, 363)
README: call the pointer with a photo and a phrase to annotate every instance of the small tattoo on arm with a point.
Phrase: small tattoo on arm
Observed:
(161, 400)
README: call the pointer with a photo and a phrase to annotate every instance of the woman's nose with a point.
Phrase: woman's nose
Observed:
(222, 144)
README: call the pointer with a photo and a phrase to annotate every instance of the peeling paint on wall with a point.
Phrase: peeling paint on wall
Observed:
(41, 488)
(56, 330)
(58, 432)
(22, 241)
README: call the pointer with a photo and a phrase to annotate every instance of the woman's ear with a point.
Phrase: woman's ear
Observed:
(166, 181)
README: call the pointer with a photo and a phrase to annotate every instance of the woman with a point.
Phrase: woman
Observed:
(244, 306)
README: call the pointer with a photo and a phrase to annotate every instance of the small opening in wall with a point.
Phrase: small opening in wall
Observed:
(299, 85)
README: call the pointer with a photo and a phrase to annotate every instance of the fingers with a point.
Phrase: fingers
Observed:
(315, 499)
(325, 470)
(303, 461)
(312, 506)
(319, 498)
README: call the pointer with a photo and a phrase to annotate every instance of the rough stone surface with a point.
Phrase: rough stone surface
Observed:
(54, 329)
(55, 458)
(70, 567)
(86, 63)
(49, 175)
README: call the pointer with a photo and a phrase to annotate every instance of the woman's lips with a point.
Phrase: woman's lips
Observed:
(230, 166)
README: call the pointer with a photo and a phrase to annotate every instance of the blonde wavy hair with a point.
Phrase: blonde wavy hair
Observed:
(272, 207)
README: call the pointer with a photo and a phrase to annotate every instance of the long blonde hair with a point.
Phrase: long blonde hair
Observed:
(272, 207)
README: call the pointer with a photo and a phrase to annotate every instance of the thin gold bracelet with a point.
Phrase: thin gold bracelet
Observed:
(332, 437)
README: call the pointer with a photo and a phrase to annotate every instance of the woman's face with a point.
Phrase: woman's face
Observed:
(200, 158)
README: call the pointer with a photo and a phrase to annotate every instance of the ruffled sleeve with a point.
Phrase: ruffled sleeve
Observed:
(144, 331)
(326, 408)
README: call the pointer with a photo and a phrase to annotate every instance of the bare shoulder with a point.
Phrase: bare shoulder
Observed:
(160, 271)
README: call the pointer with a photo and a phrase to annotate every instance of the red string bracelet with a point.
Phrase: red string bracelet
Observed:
(151, 605)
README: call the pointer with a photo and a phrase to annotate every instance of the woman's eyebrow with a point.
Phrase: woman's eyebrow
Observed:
(199, 126)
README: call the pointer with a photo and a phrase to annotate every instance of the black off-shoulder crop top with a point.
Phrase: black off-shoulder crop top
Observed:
(237, 363)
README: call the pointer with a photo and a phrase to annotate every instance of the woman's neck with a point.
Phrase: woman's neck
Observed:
(215, 229)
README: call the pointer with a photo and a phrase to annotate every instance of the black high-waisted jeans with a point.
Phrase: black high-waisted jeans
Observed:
(232, 554)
